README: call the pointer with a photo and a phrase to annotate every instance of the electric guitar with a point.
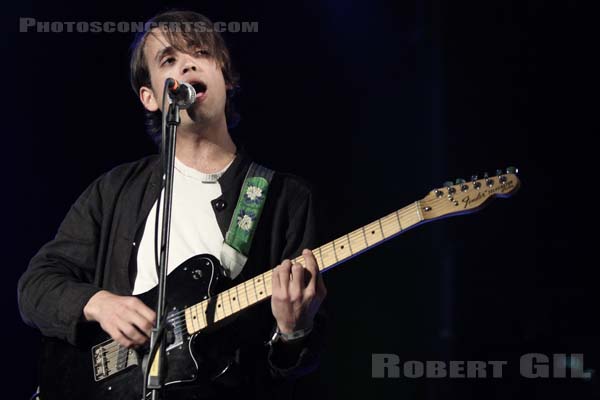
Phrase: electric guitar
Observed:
(99, 368)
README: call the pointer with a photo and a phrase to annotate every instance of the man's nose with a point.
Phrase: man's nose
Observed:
(188, 66)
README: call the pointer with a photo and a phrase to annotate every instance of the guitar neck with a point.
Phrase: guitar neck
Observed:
(329, 255)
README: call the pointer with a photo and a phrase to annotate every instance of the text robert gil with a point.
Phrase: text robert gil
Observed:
(531, 365)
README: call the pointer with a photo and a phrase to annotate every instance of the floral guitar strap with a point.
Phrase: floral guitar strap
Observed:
(245, 219)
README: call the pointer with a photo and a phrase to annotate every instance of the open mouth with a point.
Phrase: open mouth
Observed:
(200, 88)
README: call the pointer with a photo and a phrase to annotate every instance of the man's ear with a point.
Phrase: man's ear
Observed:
(148, 99)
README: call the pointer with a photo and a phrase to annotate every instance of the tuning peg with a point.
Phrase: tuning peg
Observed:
(499, 172)
(451, 189)
(474, 178)
(485, 175)
(462, 183)
(512, 170)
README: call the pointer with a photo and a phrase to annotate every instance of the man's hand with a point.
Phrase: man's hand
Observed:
(297, 293)
(126, 319)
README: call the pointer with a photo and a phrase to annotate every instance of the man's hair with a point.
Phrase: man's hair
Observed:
(184, 30)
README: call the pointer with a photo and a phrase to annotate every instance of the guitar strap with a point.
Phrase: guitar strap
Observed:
(245, 219)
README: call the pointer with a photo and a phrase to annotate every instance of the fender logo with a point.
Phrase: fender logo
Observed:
(467, 201)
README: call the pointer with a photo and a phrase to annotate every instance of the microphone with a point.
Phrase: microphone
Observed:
(181, 93)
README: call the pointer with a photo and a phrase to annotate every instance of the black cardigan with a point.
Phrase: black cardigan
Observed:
(95, 248)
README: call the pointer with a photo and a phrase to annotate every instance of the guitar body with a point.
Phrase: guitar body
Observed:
(100, 369)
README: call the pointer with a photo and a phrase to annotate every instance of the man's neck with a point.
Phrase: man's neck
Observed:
(207, 149)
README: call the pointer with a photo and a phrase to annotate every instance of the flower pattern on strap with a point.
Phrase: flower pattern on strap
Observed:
(254, 193)
(245, 220)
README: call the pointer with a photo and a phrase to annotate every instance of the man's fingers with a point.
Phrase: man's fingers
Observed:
(296, 282)
(137, 322)
(125, 318)
(284, 271)
(146, 312)
(131, 333)
(315, 286)
(142, 323)
(276, 283)
(297, 274)
(311, 265)
(119, 338)
(309, 259)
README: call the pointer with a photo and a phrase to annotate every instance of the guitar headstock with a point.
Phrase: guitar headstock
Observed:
(468, 196)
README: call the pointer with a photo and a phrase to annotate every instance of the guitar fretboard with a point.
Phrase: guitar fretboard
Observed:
(257, 289)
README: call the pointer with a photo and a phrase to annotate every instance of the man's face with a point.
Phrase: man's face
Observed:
(196, 67)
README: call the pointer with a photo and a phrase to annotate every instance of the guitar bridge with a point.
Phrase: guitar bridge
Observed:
(109, 358)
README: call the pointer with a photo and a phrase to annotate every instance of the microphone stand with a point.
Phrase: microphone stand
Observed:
(155, 378)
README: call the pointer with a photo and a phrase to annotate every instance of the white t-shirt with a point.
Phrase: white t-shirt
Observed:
(194, 227)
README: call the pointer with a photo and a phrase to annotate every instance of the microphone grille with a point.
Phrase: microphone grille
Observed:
(190, 95)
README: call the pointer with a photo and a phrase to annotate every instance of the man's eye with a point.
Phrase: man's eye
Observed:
(202, 52)
(168, 61)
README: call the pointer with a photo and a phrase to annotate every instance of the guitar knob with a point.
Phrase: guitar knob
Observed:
(485, 175)
(498, 172)
(512, 170)
(448, 183)
(460, 181)
(474, 178)
(197, 274)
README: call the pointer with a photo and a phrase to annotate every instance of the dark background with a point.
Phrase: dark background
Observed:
(376, 103)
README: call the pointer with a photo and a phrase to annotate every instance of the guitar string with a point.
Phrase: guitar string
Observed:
(356, 233)
(267, 278)
(384, 221)
(326, 251)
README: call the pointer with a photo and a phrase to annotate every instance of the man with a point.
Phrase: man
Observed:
(104, 250)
